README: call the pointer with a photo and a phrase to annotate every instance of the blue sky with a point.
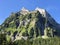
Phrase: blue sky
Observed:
(8, 6)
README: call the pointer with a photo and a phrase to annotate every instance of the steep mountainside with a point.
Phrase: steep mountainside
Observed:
(30, 24)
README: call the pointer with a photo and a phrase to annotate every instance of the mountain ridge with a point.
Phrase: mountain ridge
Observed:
(30, 24)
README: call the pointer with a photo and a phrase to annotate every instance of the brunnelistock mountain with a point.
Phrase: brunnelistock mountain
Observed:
(30, 24)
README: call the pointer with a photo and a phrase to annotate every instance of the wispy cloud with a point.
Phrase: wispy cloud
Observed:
(48, 8)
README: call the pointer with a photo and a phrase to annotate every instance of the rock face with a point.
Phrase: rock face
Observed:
(24, 11)
(31, 24)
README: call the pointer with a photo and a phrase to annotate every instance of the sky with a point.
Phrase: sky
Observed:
(9, 6)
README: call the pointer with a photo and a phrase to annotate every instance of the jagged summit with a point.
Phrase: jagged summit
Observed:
(24, 9)
(42, 11)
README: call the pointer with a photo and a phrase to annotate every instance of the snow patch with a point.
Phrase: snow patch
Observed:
(24, 9)
(42, 11)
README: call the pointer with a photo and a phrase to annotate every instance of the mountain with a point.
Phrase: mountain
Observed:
(30, 24)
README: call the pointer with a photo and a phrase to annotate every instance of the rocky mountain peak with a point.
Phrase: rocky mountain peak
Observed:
(30, 24)
(42, 11)
(24, 11)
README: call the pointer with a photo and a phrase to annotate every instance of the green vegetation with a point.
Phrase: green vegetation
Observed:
(37, 41)
(29, 29)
